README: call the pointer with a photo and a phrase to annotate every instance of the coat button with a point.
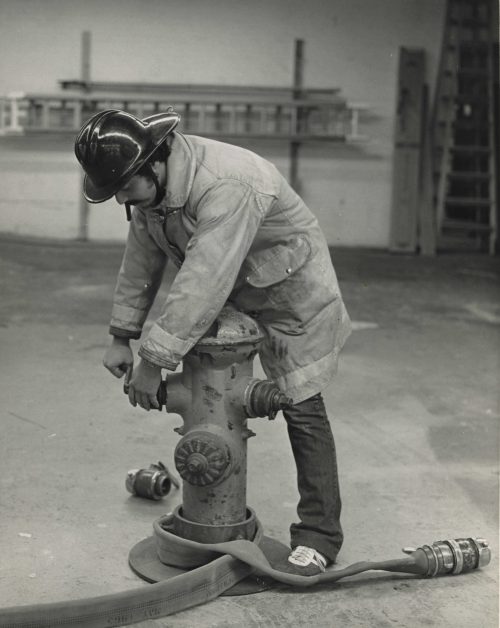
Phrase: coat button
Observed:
(288, 270)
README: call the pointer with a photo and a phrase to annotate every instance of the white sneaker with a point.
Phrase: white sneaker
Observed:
(307, 561)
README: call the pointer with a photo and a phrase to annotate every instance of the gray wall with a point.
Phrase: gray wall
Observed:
(351, 44)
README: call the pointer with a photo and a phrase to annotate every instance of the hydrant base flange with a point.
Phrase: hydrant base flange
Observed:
(205, 533)
(144, 562)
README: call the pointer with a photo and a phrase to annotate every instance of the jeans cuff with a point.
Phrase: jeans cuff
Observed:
(328, 546)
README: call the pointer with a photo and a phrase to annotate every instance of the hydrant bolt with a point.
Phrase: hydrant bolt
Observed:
(197, 463)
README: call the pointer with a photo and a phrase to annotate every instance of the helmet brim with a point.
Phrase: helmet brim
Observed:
(161, 124)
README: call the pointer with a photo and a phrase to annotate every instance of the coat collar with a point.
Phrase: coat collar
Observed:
(181, 167)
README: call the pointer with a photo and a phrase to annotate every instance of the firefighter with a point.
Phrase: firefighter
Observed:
(238, 234)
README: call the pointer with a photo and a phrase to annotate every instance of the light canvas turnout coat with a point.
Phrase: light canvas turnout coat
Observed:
(238, 233)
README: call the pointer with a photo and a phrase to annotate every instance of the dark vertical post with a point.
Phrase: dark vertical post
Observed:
(85, 58)
(85, 79)
(425, 207)
(83, 222)
(297, 94)
(407, 151)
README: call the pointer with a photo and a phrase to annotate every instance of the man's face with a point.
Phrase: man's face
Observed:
(139, 191)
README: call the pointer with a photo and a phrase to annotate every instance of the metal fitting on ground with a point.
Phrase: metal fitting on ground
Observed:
(453, 556)
(152, 483)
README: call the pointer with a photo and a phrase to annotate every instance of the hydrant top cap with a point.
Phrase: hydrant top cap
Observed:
(233, 328)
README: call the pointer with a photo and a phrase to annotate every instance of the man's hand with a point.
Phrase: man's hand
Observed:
(119, 357)
(143, 386)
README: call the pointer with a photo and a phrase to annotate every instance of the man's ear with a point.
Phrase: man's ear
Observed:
(160, 169)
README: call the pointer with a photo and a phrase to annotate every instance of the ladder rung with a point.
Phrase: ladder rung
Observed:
(461, 201)
(473, 2)
(468, 99)
(470, 176)
(471, 125)
(470, 149)
(457, 242)
(481, 46)
(466, 125)
(480, 150)
(463, 225)
(468, 23)
(476, 99)
(480, 72)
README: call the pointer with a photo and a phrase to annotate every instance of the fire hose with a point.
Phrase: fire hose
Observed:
(238, 560)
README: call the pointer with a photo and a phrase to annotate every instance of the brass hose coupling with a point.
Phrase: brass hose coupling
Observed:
(451, 557)
(264, 398)
(152, 483)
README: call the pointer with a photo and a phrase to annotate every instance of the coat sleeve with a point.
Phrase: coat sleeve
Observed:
(227, 219)
(138, 281)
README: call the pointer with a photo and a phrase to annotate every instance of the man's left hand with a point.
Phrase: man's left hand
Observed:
(144, 384)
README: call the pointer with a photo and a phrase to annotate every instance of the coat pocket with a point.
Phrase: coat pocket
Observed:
(271, 266)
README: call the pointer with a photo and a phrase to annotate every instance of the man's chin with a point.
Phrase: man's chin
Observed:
(142, 205)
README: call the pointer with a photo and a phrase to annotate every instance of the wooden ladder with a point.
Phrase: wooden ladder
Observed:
(465, 128)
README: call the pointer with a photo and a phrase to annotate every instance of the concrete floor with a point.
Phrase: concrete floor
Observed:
(414, 410)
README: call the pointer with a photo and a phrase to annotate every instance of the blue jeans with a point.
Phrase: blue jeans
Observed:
(316, 460)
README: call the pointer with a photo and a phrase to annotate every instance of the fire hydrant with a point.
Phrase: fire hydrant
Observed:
(216, 394)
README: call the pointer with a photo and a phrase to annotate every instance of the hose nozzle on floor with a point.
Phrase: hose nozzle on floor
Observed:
(451, 557)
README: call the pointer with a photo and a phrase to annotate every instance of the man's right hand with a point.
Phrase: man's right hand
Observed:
(119, 357)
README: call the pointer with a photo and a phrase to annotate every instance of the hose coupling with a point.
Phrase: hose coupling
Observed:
(264, 398)
(161, 395)
(454, 556)
(152, 483)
